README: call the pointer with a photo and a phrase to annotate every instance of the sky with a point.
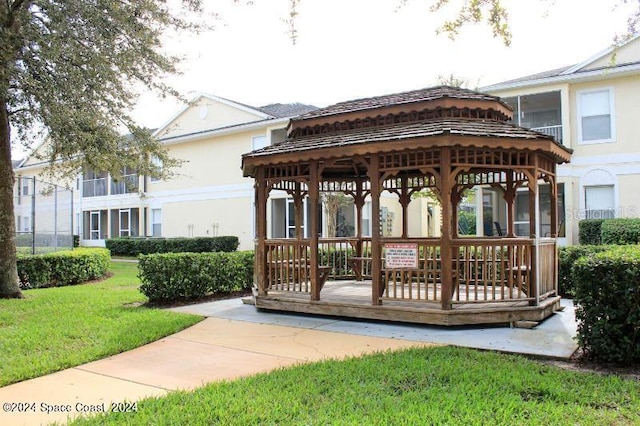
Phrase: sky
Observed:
(349, 49)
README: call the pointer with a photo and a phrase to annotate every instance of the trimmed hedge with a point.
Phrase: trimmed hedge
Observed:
(589, 231)
(620, 231)
(567, 256)
(136, 246)
(608, 304)
(62, 268)
(174, 276)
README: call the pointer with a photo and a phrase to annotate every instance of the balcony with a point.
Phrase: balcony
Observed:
(555, 131)
(128, 185)
(94, 187)
(541, 112)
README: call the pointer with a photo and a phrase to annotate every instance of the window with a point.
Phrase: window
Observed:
(595, 116)
(25, 186)
(94, 224)
(366, 219)
(94, 184)
(124, 222)
(259, 142)
(156, 222)
(158, 164)
(26, 224)
(128, 184)
(599, 202)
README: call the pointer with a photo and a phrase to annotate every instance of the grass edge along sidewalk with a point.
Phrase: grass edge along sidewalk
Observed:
(436, 385)
(57, 328)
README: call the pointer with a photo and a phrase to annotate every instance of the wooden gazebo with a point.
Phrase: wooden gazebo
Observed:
(443, 139)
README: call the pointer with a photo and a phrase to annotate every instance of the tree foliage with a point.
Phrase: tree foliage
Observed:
(72, 70)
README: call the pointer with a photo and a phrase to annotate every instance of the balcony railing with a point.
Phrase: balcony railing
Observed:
(98, 187)
(555, 131)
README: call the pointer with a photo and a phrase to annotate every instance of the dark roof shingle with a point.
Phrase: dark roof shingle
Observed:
(413, 96)
(463, 127)
(286, 110)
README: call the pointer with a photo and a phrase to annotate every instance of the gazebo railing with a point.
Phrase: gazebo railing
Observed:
(483, 270)
(421, 283)
(287, 267)
(548, 267)
(493, 270)
(344, 255)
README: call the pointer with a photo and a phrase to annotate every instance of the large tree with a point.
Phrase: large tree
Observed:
(72, 69)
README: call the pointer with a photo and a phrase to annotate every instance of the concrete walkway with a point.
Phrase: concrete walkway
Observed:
(237, 340)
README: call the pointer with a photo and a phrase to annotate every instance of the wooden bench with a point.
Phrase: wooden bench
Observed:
(296, 273)
(323, 274)
(356, 264)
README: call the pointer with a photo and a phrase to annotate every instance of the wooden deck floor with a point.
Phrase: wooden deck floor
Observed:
(353, 299)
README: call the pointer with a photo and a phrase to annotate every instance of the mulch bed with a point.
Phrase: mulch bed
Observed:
(208, 298)
(580, 362)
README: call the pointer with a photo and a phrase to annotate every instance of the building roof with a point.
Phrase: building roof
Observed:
(414, 96)
(538, 76)
(15, 163)
(581, 70)
(286, 110)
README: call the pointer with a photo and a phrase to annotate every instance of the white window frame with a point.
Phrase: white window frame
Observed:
(613, 209)
(612, 121)
(291, 229)
(95, 219)
(153, 221)
(24, 186)
(366, 219)
(125, 228)
(158, 163)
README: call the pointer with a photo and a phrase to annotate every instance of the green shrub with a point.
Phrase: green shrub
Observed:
(589, 231)
(136, 246)
(608, 304)
(174, 276)
(567, 256)
(62, 268)
(620, 231)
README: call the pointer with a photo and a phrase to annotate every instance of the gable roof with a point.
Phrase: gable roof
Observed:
(274, 111)
(581, 70)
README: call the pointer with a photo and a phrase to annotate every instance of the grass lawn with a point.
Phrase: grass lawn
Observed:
(441, 385)
(57, 328)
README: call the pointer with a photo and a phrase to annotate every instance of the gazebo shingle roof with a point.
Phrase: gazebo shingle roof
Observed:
(462, 127)
(421, 95)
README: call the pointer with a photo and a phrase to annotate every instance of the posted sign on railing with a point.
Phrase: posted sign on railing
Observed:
(401, 256)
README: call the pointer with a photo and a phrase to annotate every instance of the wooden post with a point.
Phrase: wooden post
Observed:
(314, 197)
(358, 200)
(510, 198)
(261, 231)
(404, 202)
(446, 251)
(534, 229)
(553, 188)
(376, 252)
(298, 204)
